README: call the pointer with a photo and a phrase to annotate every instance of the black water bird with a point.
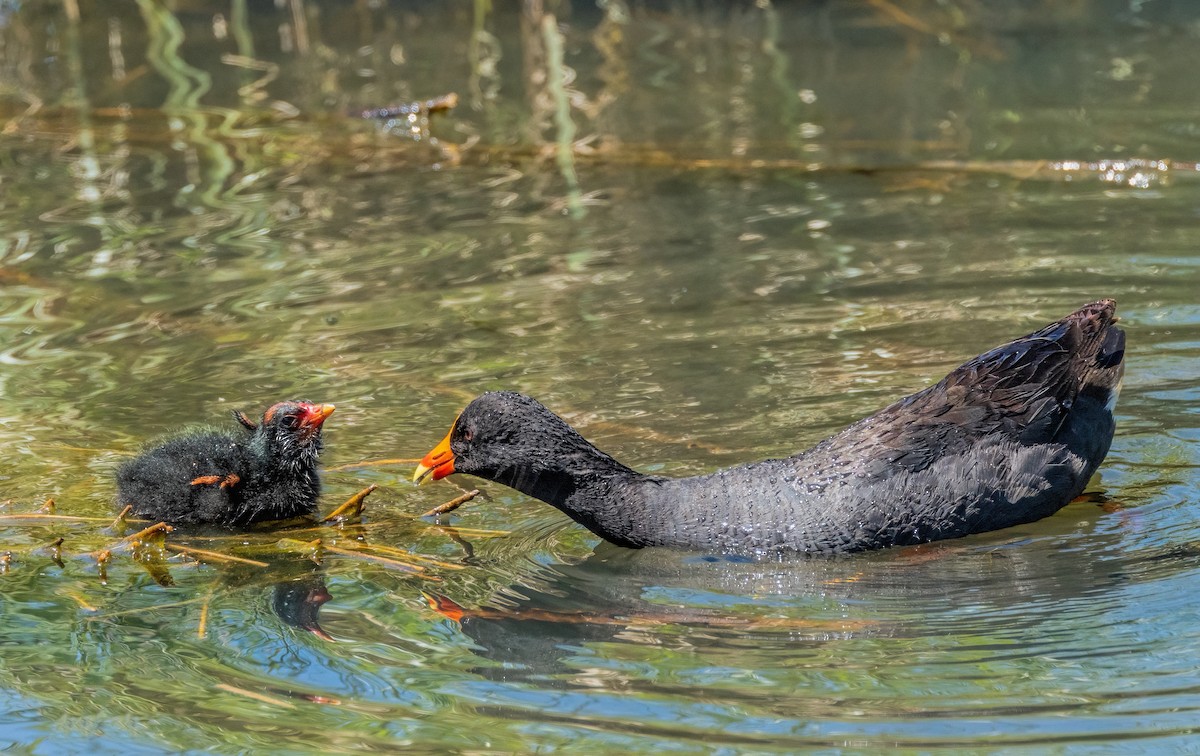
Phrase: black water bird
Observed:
(1009, 437)
(266, 471)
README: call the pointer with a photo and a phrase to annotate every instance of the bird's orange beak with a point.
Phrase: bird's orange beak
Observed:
(437, 464)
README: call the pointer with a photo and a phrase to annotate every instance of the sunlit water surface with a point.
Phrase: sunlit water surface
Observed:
(775, 221)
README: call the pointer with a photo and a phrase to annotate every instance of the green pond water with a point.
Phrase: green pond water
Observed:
(705, 233)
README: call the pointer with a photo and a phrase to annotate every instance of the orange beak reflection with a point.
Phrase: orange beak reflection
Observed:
(437, 464)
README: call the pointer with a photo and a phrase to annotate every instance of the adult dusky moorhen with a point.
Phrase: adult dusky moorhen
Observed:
(267, 471)
(1009, 437)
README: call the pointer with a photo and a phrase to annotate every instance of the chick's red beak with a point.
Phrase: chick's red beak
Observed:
(437, 464)
(310, 420)
(315, 414)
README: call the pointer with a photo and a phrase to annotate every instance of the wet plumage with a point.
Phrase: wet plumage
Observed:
(1009, 437)
(261, 471)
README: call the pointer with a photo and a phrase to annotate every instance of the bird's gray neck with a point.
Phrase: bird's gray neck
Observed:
(589, 486)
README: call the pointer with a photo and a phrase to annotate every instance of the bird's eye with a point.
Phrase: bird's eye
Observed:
(466, 435)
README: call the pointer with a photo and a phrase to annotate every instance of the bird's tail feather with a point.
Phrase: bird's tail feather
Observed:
(1100, 359)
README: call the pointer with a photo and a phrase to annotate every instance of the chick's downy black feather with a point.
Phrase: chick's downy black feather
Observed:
(260, 471)
(1008, 437)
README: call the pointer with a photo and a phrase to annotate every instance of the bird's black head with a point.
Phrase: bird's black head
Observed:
(513, 439)
(290, 432)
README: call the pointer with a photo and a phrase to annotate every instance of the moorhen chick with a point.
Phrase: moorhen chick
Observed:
(268, 471)
(1009, 437)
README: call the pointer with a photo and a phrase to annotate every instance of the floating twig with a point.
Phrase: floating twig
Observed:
(202, 624)
(453, 504)
(352, 507)
(373, 463)
(120, 521)
(78, 598)
(403, 566)
(313, 549)
(260, 697)
(153, 607)
(473, 532)
(404, 554)
(156, 528)
(212, 556)
(44, 516)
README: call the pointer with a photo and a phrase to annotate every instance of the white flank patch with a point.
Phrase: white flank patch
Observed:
(1111, 404)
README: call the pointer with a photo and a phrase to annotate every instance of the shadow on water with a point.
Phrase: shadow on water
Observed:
(1045, 605)
(994, 584)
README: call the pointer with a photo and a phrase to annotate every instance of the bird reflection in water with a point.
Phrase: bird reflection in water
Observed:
(298, 603)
